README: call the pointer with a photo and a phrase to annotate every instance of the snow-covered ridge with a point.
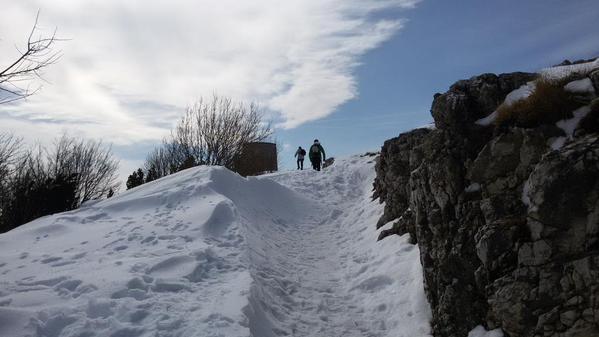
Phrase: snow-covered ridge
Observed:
(559, 72)
(206, 252)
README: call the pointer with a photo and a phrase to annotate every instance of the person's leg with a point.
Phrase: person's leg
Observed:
(318, 164)
(298, 164)
(302, 164)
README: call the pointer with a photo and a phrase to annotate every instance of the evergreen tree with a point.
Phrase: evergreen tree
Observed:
(152, 174)
(135, 179)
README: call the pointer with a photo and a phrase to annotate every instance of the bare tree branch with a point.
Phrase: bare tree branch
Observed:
(38, 54)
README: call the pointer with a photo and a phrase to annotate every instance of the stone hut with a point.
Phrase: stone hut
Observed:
(257, 158)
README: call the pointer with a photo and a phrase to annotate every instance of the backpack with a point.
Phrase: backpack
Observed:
(303, 152)
(315, 149)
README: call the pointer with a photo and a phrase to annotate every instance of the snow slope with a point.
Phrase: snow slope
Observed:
(206, 252)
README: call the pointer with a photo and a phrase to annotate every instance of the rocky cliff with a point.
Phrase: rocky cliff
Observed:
(506, 217)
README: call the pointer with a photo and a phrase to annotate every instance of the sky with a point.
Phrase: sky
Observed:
(351, 73)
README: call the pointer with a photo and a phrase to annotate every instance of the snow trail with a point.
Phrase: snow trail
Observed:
(207, 253)
(346, 284)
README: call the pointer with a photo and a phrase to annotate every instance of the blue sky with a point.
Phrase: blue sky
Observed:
(442, 42)
(351, 73)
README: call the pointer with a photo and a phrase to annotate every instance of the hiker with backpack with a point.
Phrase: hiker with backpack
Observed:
(317, 155)
(300, 154)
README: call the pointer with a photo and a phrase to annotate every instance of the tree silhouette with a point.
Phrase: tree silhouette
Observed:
(37, 54)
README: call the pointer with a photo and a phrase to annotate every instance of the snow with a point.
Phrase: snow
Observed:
(583, 86)
(519, 94)
(480, 331)
(430, 126)
(556, 143)
(516, 95)
(486, 121)
(560, 72)
(474, 187)
(206, 252)
(569, 125)
(525, 197)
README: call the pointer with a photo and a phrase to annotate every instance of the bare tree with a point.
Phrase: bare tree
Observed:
(215, 131)
(37, 54)
(93, 165)
(43, 181)
(163, 160)
(10, 147)
(34, 191)
(212, 132)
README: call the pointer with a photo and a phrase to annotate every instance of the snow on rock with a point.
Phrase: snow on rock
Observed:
(519, 94)
(206, 252)
(560, 72)
(480, 331)
(569, 125)
(430, 126)
(583, 86)
(474, 187)
(486, 121)
(557, 143)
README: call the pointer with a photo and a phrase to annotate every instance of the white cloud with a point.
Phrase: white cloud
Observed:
(130, 67)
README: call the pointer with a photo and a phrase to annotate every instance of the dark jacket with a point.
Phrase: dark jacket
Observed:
(316, 151)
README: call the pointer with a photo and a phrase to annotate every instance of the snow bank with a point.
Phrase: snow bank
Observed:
(206, 252)
(168, 256)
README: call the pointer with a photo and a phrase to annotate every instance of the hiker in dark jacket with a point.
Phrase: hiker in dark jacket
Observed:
(300, 153)
(317, 155)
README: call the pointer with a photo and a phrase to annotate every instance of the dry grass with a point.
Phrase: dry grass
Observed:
(547, 104)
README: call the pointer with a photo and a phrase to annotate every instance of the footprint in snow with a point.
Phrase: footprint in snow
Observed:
(374, 283)
(50, 259)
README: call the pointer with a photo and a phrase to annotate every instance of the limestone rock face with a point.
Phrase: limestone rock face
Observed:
(469, 100)
(508, 227)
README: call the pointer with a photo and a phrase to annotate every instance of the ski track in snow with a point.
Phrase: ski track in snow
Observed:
(207, 253)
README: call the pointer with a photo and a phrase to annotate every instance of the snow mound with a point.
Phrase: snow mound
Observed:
(206, 252)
